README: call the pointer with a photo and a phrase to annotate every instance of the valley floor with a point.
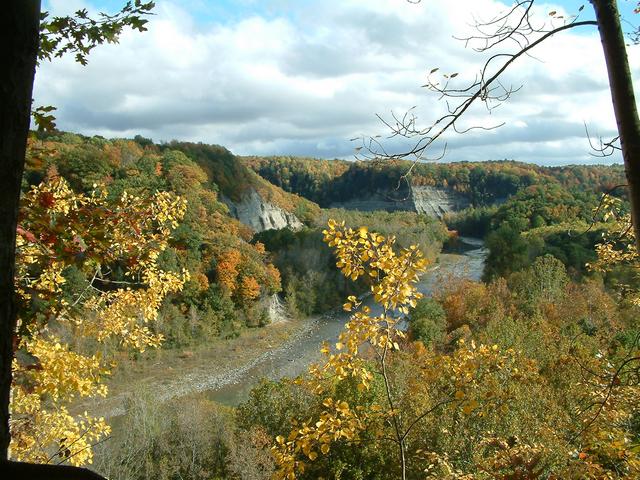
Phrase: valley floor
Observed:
(226, 370)
(178, 372)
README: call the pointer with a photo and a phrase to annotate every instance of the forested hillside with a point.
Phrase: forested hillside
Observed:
(233, 273)
(459, 367)
(524, 210)
(230, 278)
(482, 183)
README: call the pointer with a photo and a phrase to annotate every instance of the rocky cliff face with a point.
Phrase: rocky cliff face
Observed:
(261, 215)
(276, 310)
(432, 201)
(436, 202)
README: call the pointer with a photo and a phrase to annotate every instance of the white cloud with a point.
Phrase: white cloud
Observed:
(308, 76)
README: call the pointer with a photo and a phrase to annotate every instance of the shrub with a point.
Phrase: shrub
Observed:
(428, 322)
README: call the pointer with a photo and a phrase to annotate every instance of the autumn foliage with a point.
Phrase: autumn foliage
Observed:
(227, 271)
(61, 234)
(496, 404)
(209, 243)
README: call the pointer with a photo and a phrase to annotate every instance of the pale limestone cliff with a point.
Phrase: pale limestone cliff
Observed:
(436, 202)
(276, 310)
(432, 201)
(260, 214)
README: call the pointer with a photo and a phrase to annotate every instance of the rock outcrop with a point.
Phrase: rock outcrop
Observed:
(436, 202)
(276, 310)
(432, 201)
(261, 215)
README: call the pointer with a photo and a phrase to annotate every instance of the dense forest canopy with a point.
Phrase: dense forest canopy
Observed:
(124, 251)
(539, 227)
(483, 183)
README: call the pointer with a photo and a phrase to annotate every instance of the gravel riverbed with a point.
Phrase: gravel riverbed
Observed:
(226, 372)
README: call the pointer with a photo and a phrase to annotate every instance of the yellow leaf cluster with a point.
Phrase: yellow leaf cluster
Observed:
(58, 229)
(393, 274)
(59, 436)
(308, 440)
(618, 242)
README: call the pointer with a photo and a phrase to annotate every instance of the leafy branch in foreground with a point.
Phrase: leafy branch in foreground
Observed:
(64, 238)
(79, 33)
(360, 253)
(466, 381)
(383, 407)
(24, 43)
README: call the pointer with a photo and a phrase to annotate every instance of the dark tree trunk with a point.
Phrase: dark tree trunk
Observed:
(624, 101)
(19, 31)
(30, 471)
(19, 25)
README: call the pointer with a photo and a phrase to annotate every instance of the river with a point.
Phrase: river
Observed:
(294, 356)
(227, 375)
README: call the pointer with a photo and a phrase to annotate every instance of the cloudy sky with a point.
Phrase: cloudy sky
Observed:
(303, 77)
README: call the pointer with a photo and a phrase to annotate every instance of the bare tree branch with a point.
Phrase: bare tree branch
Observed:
(484, 88)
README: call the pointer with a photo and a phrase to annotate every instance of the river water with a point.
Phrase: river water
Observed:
(293, 357)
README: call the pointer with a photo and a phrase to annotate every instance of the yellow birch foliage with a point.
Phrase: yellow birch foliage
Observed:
(613, 386)
(618, 246)
(393, 275)
(608, 447)
(463, 380)
(59, 229)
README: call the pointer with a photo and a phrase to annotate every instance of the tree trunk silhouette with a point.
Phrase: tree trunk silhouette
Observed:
(19, 26)
(624, 101)
(19, 33)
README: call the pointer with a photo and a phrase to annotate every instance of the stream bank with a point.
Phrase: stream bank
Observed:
(227, 370)
(292, 358)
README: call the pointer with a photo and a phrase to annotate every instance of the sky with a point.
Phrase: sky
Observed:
(305, 77)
